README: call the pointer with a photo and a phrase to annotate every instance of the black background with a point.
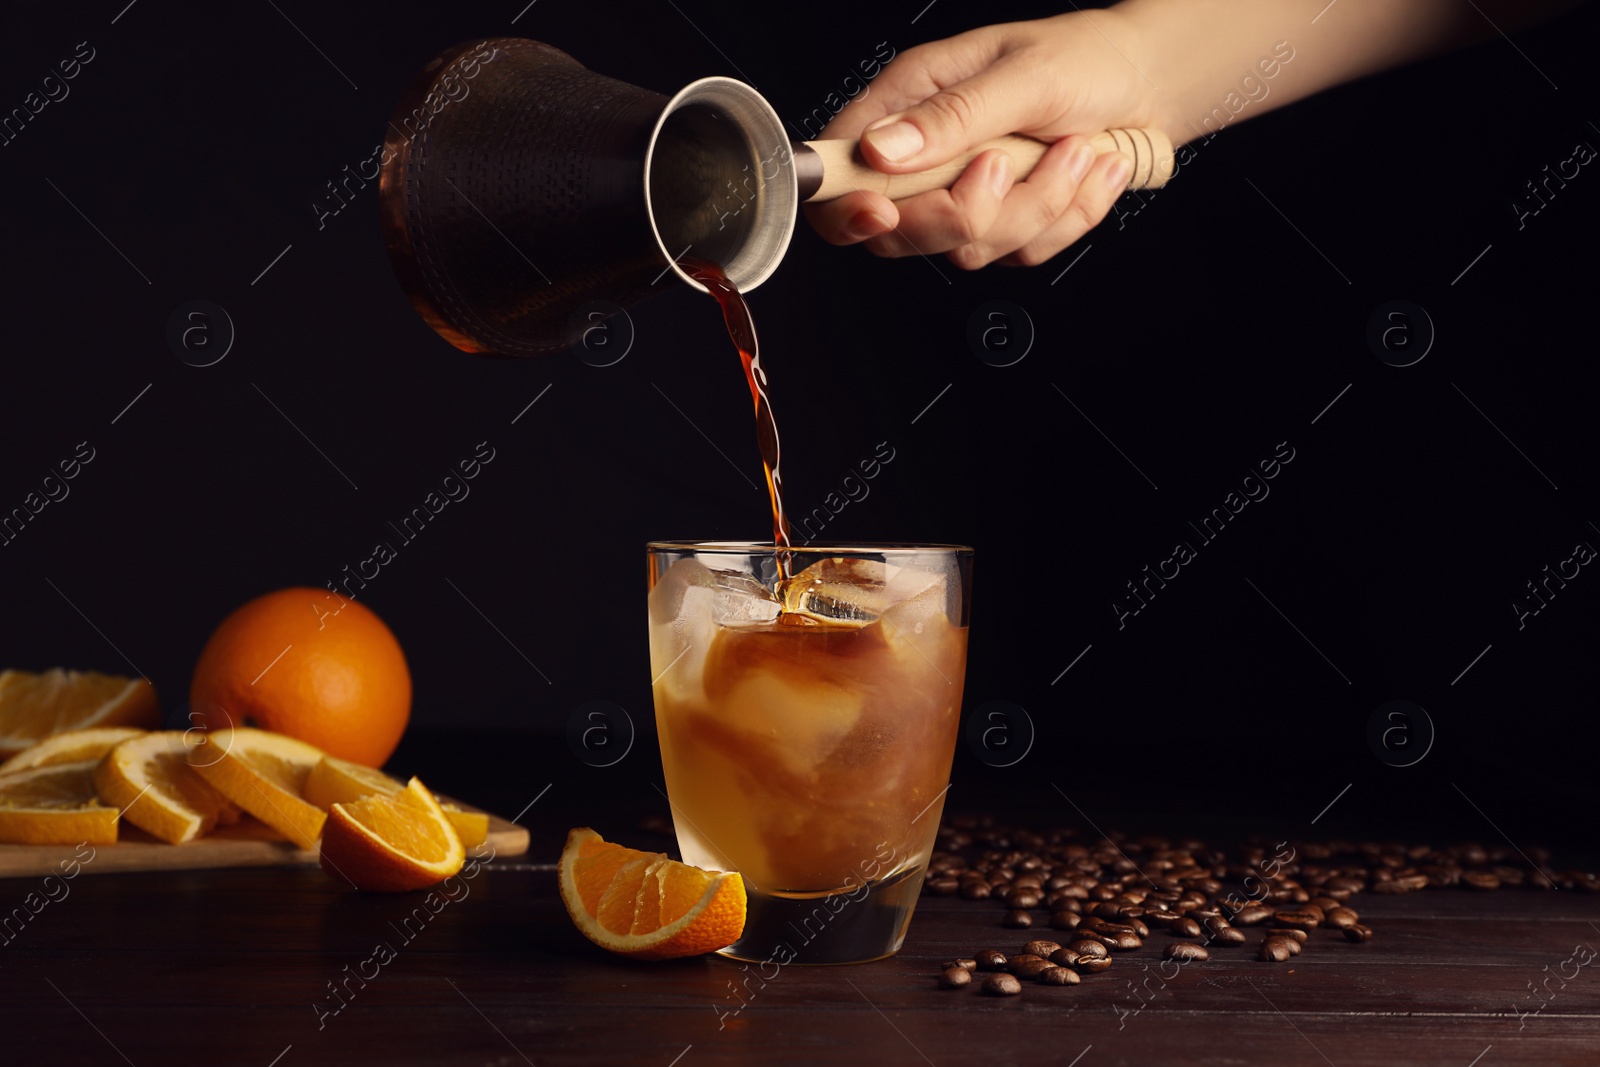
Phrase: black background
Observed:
(1197, 336)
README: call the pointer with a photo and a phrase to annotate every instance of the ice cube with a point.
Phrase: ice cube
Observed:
(841, 589)
(803, 720)
(919, 617)
(862, 590)
(904, 584)
(682, 618)
(666, 599)
(909, 618)
(739, 599)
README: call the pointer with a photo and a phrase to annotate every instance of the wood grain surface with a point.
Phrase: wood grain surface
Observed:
(235, 966)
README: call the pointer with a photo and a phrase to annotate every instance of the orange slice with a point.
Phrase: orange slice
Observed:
(149, 779)
(391, 843)
(55, 806)
(644, 905)
(265, 774)
(74, 746)
(35, 706)
(336, 781)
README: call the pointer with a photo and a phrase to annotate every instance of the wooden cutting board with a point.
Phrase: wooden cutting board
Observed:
(249, 844)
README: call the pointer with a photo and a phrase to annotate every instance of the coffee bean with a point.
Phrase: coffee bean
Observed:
(1031, 969)
(1065, 920)
(964, 964)
(1252, 915)
(1058, 976)
(1013, 962)
(1226, 935)
(1002, 985)
(975, 891)
(1023, 898)
(1305, 919)
(1090, 949)
(1017, 919)
(1442, 875)
(1063, 957)
(1509, 875)
(1404, 884)
(1294, 943)
(1186, 950)
(1092, 964)
(1339, 918)
(1139, 927)
(1041, 948)
(955, 978)
(1126, 942)
(990, 960)
(1291, 933)
(941, 887)
(1275, 949)
(1325, 904)
(1183, 926)
(1358, 933)
(1480, 880)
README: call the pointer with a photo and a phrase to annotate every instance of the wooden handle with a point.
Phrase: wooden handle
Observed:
(844, 171)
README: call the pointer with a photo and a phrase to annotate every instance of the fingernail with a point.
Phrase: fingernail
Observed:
(1000, 175)
(895, 142)
(864, 224)
(1117, 176)
(1078, 163)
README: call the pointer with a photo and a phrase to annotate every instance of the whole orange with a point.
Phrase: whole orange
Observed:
(298, 663)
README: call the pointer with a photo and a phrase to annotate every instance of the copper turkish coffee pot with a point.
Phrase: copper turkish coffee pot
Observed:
(518, 187)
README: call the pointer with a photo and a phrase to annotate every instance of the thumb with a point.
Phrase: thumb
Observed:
(990, 104)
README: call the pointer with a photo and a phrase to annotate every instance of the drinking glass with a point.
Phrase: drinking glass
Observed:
(808, 702)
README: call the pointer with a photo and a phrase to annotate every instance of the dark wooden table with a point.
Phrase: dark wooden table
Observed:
(211, 967)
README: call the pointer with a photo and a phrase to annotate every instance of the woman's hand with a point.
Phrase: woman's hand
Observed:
(1055, 79)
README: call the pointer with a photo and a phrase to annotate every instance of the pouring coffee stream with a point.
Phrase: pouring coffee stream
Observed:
(742, 331)
(519, 190)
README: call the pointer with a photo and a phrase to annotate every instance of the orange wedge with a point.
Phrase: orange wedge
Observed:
(149, 779)
(644, 905)
(55, 806)
(336, 781)
(391, 843)
(265, 774)
(35, 706)
(74, 746)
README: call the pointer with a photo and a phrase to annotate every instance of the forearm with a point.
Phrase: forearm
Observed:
(1209, 63)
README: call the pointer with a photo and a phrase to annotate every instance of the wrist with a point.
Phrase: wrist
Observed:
(1159, 76)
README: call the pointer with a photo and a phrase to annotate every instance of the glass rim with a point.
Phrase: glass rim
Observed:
(815, 548)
